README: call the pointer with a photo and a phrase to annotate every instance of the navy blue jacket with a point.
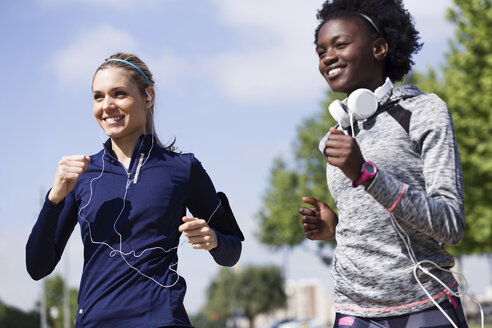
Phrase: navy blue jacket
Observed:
(129, 241)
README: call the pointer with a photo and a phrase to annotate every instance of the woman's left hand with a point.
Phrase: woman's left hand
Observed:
(198, 233)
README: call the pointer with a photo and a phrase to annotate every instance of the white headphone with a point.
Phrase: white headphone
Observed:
(360, 104)
(149, 96)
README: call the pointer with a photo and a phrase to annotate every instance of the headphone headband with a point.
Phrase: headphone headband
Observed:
(132, 65)
(360, 104)
(381, 91)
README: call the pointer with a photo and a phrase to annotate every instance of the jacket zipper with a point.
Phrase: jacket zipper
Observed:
(137, 172)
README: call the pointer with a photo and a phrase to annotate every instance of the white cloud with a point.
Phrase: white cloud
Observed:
(266, 76)
(434, 31)
(278, 62)
(273, 15)
(118, 4)
(77, 62)
(168, 68)
(430, 19)
(285, 68)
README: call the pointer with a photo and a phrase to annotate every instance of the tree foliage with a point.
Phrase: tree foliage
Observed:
(279, 220)
(54, 300)
(204, 320)
(466, 87)
(464, 82)
(13, 317)
(260, 290)
(468, 93)
(248, 292)
(221, 296)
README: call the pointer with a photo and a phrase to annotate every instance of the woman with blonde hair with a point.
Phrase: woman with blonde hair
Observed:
(130, 200)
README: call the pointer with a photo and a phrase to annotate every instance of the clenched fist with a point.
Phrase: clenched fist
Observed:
(69, 170)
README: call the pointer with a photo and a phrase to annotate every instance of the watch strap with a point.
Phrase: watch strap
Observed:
(365, 174)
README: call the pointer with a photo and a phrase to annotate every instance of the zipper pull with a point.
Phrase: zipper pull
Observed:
(137, 172)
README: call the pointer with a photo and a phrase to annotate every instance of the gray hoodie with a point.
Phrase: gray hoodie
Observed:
(411, 140)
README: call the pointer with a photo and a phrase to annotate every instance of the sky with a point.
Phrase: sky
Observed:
(234, 80)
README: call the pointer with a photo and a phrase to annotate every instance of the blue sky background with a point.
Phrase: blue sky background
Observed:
(234, 80)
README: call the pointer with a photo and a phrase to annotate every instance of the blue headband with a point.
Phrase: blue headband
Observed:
(132, 65)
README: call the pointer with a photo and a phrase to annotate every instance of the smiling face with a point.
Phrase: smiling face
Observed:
(119, 106)
(349, 58)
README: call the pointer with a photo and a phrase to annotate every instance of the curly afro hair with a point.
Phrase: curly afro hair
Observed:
(394, 22)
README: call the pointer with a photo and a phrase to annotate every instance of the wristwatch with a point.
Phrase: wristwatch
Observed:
(368, 171)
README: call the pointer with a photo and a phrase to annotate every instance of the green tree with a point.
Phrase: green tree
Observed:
(468, 92)
(260, 290)
(54, 300)
(464, 82)
(466, 87)
(249, 292)
(221, 298)
(13, 317)
(279, 221)
(204, 320)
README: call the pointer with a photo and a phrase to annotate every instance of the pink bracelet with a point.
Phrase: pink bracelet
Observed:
(392, 208)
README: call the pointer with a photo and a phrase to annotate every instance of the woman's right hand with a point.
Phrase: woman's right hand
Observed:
(319, 223)
(69, 170)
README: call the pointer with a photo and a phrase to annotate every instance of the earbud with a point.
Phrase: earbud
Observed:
(149, 96)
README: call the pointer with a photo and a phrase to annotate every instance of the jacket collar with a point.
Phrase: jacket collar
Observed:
(145, 144)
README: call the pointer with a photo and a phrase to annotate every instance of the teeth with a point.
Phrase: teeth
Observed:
(113, 119)
(334, 70)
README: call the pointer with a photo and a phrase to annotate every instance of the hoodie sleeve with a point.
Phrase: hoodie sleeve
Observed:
(49, 236)
(437, 211)
(203, 202)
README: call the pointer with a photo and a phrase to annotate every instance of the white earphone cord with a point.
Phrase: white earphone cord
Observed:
(114, 251)
(352, 124)
(418, 265)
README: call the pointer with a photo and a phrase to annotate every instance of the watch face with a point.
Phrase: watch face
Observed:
(370, 169)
